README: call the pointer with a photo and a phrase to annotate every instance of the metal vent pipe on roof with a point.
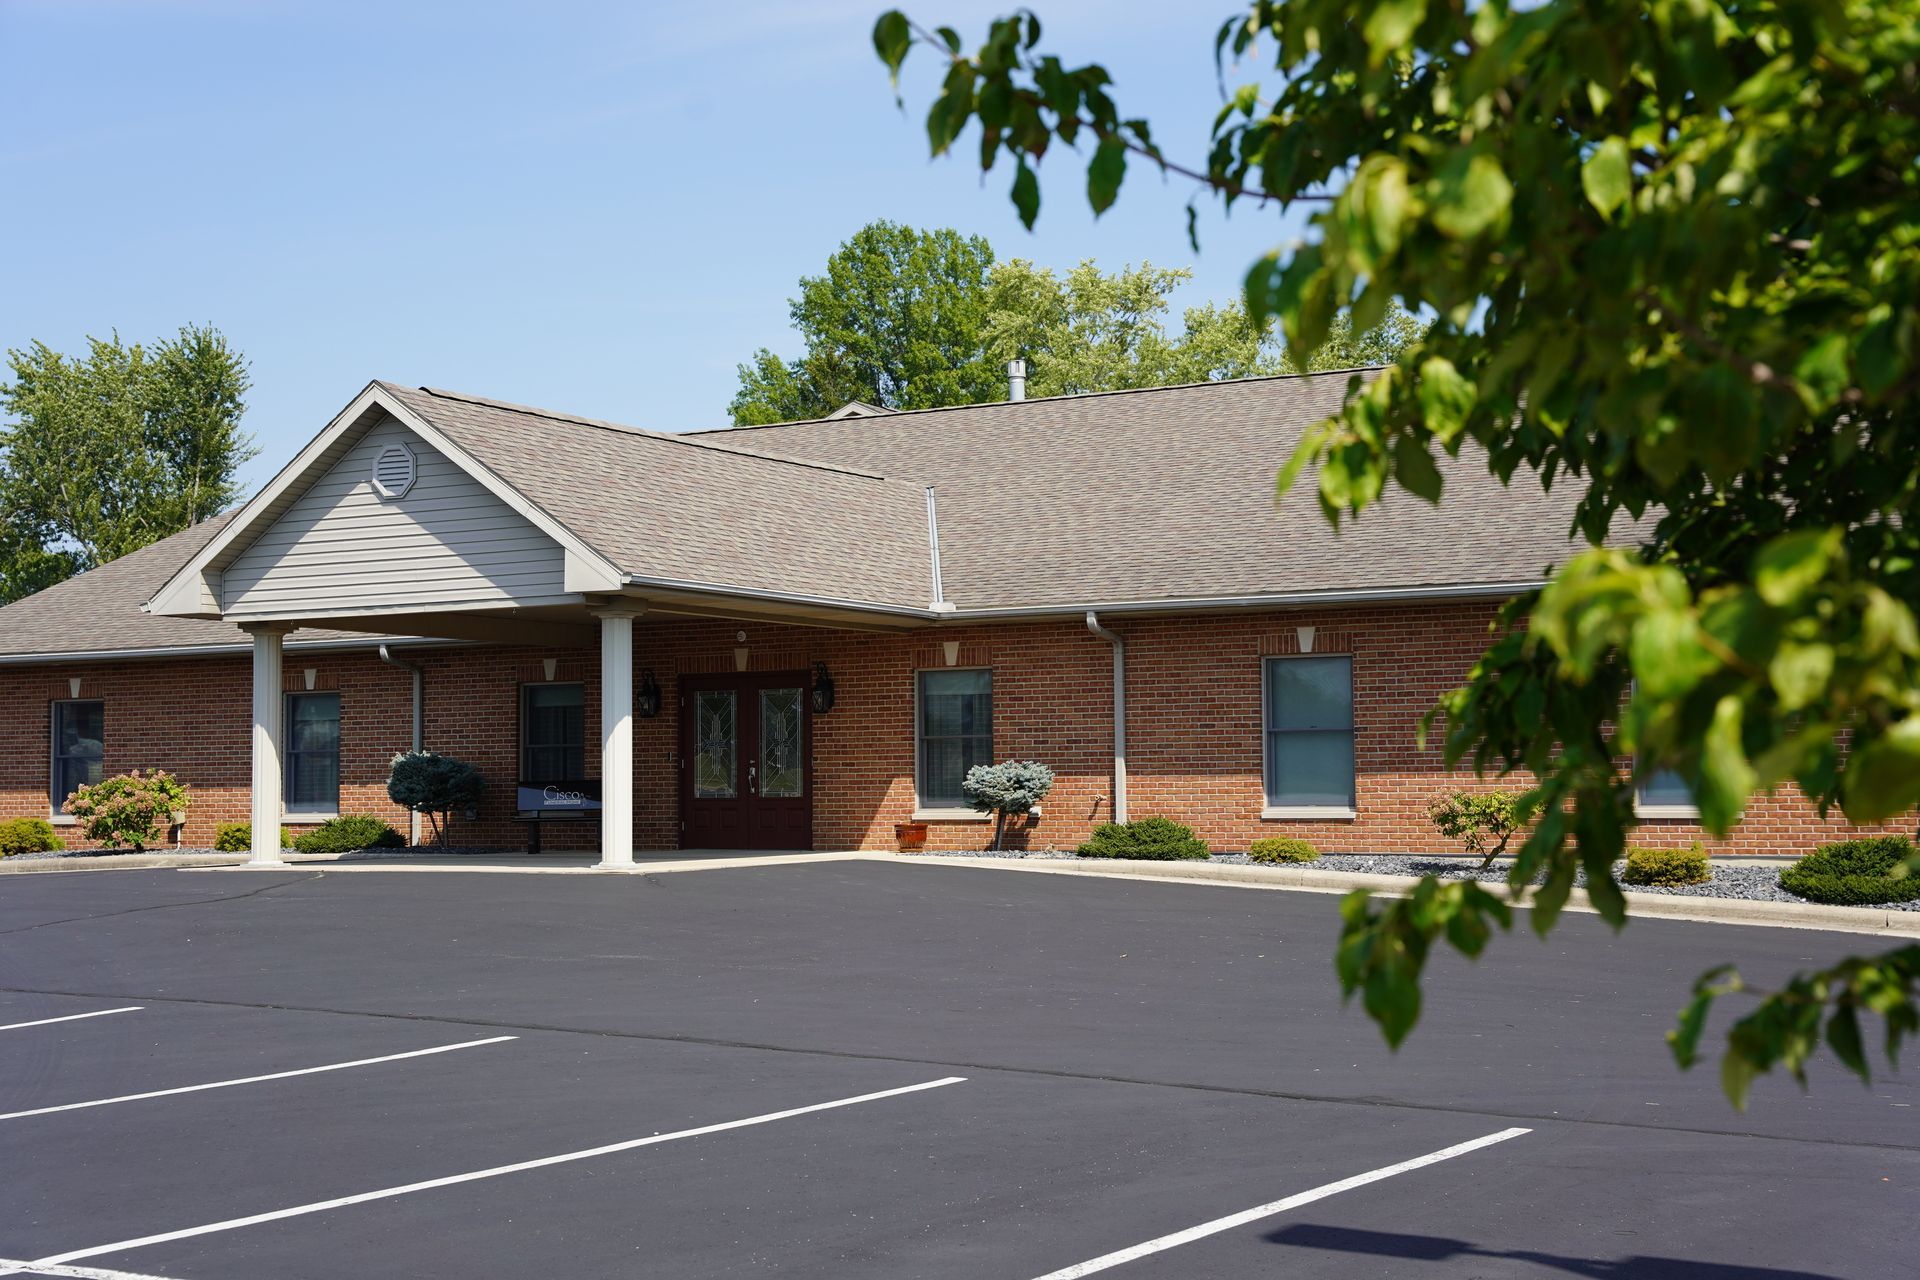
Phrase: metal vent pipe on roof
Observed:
(1016, 379)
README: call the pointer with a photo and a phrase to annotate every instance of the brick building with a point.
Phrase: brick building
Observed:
(798, 636)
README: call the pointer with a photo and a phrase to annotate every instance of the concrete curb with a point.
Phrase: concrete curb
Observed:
(1780, 915)
(117, 862)
(525, 865)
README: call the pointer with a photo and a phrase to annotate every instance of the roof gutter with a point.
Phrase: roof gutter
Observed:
(1271, 600)
(946, 612)
(1119, 713)
(207, 650)
(722, 590)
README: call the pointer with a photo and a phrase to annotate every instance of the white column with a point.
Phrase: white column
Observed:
(616, 736)
(267, 701)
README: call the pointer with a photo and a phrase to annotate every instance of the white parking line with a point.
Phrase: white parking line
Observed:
(72, 1017)
(1245, 1216)
(321, 1206)
(14, 1267)
(277, 1075)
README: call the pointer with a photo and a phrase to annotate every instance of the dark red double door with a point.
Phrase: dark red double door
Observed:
(746, 762)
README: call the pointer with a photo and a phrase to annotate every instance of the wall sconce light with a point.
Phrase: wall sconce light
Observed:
(646, 700)
(822, 689)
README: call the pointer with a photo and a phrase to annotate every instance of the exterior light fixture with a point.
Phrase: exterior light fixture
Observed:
(822, 689)
(646, 700)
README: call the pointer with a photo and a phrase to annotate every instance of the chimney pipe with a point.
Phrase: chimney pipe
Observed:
(1016, 379)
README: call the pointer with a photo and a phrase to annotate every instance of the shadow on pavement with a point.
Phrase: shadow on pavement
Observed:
(1412, 1248)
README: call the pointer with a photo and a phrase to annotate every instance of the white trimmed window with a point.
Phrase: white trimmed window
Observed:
(1664, 794)
(313, 754)
(553, 732)
(79, 746)
(1309, 736)
(953, 713)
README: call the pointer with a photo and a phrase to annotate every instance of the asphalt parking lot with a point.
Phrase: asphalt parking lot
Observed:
(871, 1070)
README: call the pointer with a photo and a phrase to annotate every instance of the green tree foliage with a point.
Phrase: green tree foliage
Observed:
(113, 450)
(894, 321)
(1674, 252)
(1091, 331)
(1145, 839)
(1010, 787)
(438, 786)
(1482, 821)
(134, 809)
(908, 319)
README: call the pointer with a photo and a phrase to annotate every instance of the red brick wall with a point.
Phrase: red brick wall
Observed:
(193, 717)
(1194, 725)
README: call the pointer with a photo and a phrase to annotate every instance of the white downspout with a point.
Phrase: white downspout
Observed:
(1119, 713)
(933, 544)
(419, 727)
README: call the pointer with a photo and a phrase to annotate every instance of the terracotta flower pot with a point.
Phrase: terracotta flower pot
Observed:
(910, 835)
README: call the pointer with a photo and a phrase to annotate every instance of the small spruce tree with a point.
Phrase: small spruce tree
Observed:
(434, 785)
(1016, 786)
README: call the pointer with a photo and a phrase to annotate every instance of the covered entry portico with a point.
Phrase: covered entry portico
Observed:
(615, 627)
(410, 517)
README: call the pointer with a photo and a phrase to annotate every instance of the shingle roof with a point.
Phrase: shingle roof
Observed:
(1121, 497)
(99, 611)
(693, 509)
(1167, 494)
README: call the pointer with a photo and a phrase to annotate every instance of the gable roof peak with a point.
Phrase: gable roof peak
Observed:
(857, 409)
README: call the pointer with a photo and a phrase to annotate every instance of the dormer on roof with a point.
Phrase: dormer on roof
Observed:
(856, 409)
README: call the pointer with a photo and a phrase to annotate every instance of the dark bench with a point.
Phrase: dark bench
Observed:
(569, 800)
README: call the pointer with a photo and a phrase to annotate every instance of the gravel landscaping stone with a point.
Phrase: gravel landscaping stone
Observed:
(190, 851)
(102, 855)
(1752, 884)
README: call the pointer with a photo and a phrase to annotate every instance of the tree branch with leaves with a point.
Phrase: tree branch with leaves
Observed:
(1673, 250)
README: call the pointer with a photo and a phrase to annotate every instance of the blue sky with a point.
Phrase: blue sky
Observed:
(600, 208)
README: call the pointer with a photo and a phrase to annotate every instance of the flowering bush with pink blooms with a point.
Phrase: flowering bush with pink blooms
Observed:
(132, 809)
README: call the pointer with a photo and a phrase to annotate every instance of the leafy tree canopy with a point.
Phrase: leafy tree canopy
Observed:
(113, 450)
(895, 321)
(1674, 252)
(909, 319)
(1091, 331)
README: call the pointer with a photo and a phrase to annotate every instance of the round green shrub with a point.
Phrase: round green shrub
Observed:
(1144, 839)
(1012, 787)
(438, 786)
(1481, 821)
(237, 837)
(1854, 873)
(1667, 867)
(1282, 849)
(134, 809)
(348, 832)
(28, 835)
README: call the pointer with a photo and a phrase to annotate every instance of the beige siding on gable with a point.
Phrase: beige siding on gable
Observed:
(447, 542)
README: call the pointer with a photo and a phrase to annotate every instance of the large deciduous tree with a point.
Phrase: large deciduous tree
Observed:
(1673, 249)
(1093, 331)
(911, 319)
(107, 452)
(894, 321)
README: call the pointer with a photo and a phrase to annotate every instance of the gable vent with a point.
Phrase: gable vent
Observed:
(393, 471)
